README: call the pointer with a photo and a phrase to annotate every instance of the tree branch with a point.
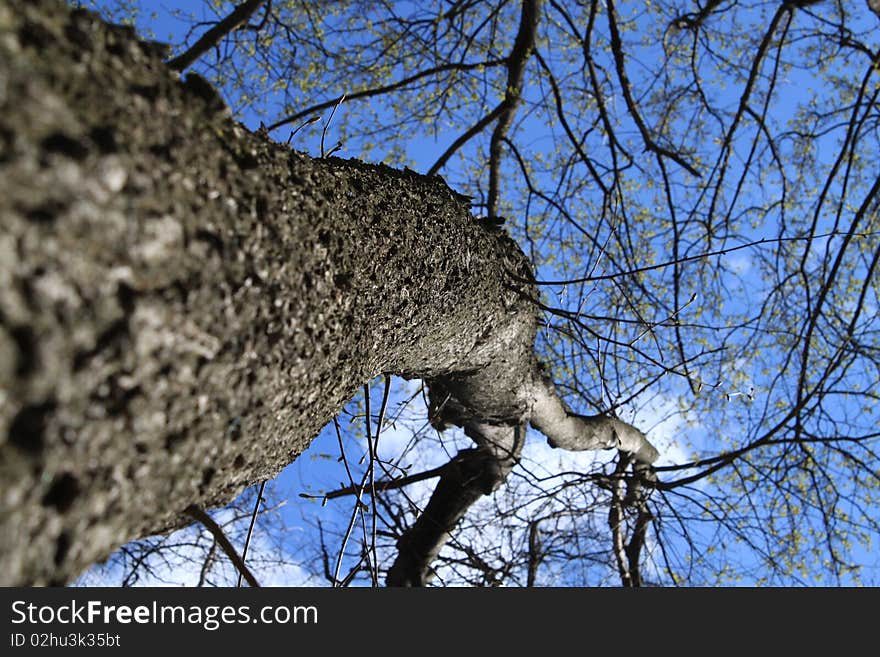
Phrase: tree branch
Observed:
(470, 475)
(516, 65)
(650, 144)
(617, 524)
(569, 430)
(694, 20)
(378, 91)
(213, 36)
(250, 531)
(385, 484)
(197, 513)
(474, 130)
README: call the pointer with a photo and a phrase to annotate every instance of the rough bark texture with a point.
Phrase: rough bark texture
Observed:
(184, 304)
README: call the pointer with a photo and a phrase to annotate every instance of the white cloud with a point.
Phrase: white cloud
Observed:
(739, 262)
(179, 559)
(537, 453)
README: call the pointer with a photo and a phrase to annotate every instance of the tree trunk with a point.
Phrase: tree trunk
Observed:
(184, 304)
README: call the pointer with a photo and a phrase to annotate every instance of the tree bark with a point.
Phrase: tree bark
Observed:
(184, 304)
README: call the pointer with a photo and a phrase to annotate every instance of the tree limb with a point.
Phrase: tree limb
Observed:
(625, 86)
(476, 472)
(378, 91)
(516, 65)
(386, 484)
(213, 36)
(572, 431)
(197, 513)
(470, 475)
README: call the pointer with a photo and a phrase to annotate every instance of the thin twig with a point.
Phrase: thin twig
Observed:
(367, 93)
(371, 477)
(385, 484)
(701, 256)
(302, 125)
(474, 130)
(374, 459)
(327, 125)
(626, 89)
(247, 541)
(354, 511)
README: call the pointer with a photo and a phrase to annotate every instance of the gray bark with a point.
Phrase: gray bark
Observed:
(184, 304)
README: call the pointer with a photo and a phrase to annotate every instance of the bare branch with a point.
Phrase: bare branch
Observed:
(250, 531)
(197, 513)
(569, 430)
(516, 65)
(650, 143)
(212, 37)
(470, 475)
(378, 91)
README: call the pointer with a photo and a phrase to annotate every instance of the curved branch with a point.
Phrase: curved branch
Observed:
(378, 91)
(516, 65)
(474, 130)
(465, 479)
(560, 114)
(568, 430)
(650, 144)
(199, 514)
(694, 20)
(384, 484)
